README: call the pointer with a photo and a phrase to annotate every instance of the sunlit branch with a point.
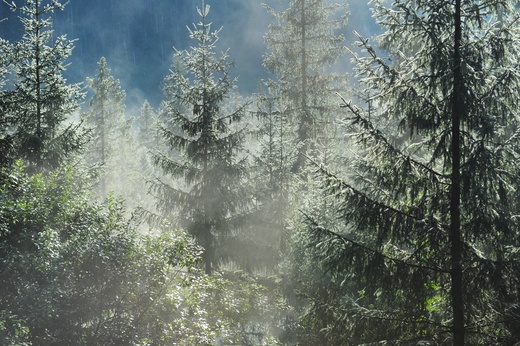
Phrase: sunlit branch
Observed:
(346, 241)
(354, 191)
(380, 138)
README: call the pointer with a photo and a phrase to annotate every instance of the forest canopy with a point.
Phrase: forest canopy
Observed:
(366, 203)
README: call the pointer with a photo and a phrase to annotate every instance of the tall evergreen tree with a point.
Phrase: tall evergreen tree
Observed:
(146, 125)
(42, 101)
(208, 195)
(273, 157)
(303, 46)
(105, 116)
(147, 141)
(429, 241)
(147, 138)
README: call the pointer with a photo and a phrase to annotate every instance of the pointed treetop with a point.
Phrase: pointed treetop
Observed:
(205, 11)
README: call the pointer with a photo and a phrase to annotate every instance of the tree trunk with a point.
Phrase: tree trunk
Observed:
(39, 131)
(458, 111)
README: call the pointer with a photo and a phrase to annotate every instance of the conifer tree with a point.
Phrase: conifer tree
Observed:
(147, 126)
(42, 101)
(429, 236)
(147, 139)
(271, 176)
(303, 46)
(204, 143)
(105, 116)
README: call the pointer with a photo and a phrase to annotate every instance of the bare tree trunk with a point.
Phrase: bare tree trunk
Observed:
(455, 231)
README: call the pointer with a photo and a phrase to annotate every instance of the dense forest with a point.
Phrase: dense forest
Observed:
(375, 203)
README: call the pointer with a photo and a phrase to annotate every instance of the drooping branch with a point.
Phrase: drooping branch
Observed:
(381, 139)
(345, 240)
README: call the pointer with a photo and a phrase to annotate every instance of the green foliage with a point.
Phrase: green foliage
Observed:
(303, 45)
(226, 309)
(6, 138)
(204, 144)
(394, 234)
(68, 268)
(36, 111)
(315, 294)
(76, 273)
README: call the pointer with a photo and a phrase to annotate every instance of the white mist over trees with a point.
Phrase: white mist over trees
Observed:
(313, 212)
(105, 118)
(271, 175)
(208, 141)
(303, 45)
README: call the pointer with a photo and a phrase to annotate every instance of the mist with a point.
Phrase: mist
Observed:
(145, 272)
(137, 38)
(259, 190)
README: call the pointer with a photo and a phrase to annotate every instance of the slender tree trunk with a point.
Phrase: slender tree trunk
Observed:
(304, 124)
(282, 188)
(102, 135)
(304, 127)
(209, 251)
(455, 231)
(39, 131)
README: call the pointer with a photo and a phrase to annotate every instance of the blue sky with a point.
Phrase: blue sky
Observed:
(137, 37)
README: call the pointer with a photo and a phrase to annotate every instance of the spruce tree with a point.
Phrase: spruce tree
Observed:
(105, 117)
(273, 157)
(147, 139)
(428, 239)
(146, 125)
(303, 46)
(204, 143)
(273, 164)
(42, 101)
